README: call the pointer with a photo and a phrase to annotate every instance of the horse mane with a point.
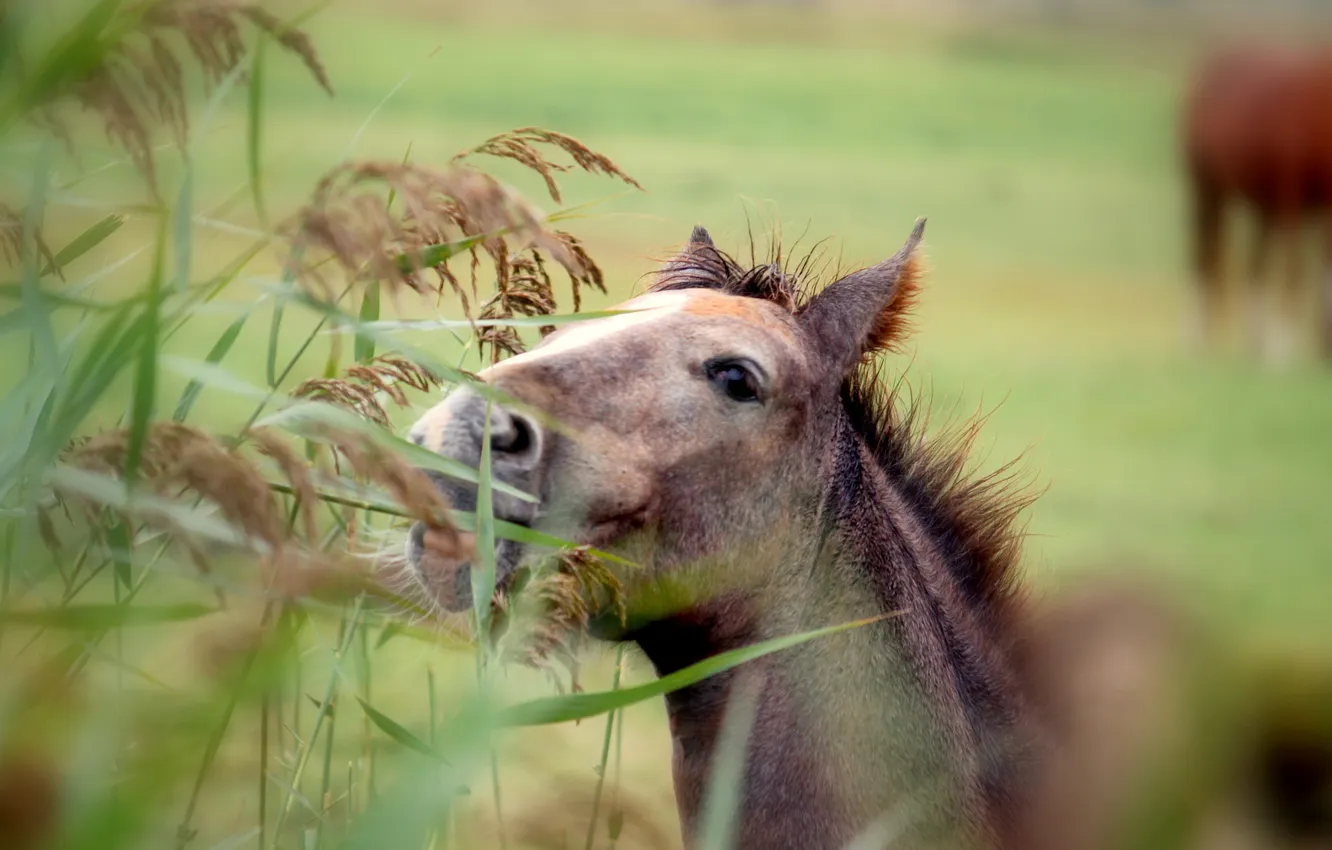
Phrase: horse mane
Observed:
(973, 518)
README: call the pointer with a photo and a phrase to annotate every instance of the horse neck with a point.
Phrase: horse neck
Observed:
(858, 725)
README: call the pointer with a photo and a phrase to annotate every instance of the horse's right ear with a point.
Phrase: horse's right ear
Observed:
(691, 267)
(865, 311)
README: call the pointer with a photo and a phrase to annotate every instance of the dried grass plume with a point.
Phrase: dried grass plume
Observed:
(138, 78)
(520, 145)
(362, 384)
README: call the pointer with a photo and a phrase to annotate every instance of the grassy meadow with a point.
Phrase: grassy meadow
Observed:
(1058, 298)
(1058, 292)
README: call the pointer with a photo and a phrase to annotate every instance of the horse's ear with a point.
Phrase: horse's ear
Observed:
(692, 267)
(865, 311)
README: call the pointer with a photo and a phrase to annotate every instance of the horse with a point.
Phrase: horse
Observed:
(730, 435)
(1257, 129)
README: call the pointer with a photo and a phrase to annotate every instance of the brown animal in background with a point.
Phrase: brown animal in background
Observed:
(1258, 130)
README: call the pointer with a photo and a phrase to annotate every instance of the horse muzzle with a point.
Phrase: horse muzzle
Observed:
(456, 428)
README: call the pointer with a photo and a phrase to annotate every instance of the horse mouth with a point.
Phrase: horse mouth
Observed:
(442, 564)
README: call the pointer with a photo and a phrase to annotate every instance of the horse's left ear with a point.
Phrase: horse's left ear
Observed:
(865, 311)
(692, 267)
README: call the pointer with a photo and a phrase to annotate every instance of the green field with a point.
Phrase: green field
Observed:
(1058, 294)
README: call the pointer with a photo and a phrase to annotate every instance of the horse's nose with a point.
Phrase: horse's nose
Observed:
(456, 426)
(457, 429)
(515, 437)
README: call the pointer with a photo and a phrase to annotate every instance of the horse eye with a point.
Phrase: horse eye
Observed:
(736, 381)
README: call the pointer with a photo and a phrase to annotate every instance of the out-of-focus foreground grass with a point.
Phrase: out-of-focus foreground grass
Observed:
(1058, 294)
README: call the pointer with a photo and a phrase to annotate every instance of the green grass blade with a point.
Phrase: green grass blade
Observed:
(111, 352)
(254, 137)
(581, 211)
(26, 412)
(432, 702)
(12, 23)
(422, 797)
(611, 717)
(85, 242)
(350, 152)
(219, 350)
(503, 842)
(36, 316)
(726, 779)
(274, 333)
(183, 227)
(561, 709)
(74, 56)
(265, 721)
(427, 635)
(108, 337)
(352, 623)
(369, 499)
(386, 634)
(183, 311)
(365, 675)
(213, 376)
(522, 534)
(145, 377)
(121, 543)
(483, 562)
(214, 105)
(35, 443)
(313, 419)
(14, 319)
(364, 351)
(101, 617)
(332, 313)
(283, 293)
(326, 772)
(95, 652)
(398, 732)
(214, 742)
(433, 255)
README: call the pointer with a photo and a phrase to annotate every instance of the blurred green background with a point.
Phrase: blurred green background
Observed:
(1042, 149)
(1059, 295)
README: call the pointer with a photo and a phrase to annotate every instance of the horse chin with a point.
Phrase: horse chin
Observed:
(444, 569)
(442, 564)
(603, 532)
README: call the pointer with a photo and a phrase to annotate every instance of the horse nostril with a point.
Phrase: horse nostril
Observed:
(511, 434)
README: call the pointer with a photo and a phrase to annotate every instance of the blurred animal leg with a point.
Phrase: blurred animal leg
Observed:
(1282, 334)
(1325, 296)
(1325, 320)
(1257, 303)
(1208, 227)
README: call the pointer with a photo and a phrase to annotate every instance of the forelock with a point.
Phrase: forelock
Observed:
(704, 266)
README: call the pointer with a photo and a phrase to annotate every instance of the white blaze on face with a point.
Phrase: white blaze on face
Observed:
(646, 308)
